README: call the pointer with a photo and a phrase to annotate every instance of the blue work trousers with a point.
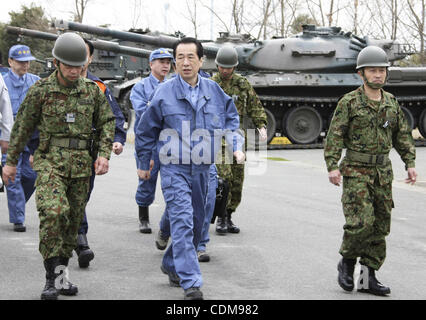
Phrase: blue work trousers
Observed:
(210, 203)
(185, 194)
(145, 194)
(20, 191)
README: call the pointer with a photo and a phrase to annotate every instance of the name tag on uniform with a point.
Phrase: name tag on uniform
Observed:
(70, 117)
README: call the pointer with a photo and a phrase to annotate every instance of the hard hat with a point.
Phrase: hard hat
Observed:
(70, 49)
(20, 52)
(372, 56)
(227, 57)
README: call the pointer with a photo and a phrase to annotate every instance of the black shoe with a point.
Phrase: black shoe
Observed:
(161, 241)
(221, 227)
(19, 227)
(203, 256)
(49, 292)
(144, 226)
(193, 293)
(85, 254)
(346, 269)
(232, 228)
(174, 279)
(67, 288)
(374, 286)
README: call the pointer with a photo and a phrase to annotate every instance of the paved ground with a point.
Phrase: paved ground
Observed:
(291, 222)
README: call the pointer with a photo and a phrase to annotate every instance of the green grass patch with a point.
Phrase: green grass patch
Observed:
(277, 159)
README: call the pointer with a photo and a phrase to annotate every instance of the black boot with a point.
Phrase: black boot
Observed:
(221, 226)
(144, 226)
(232, 228)
(67, 288)
(85, 254)
(49, 291)
(374, 286)
(346, 269)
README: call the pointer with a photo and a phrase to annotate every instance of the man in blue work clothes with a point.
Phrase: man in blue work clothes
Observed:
(160, 62)
(18, 80)
(187, 117)
(85, 254)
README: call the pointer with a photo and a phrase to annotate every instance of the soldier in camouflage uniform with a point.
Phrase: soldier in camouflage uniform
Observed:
(249, 107)
(368, 122)
(63, 107)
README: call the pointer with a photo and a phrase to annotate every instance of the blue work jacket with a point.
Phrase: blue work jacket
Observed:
(18, 87)
(120, 132)
(186, 134)
(141, 92)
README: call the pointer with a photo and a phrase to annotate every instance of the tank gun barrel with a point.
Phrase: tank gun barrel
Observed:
(31, 33)
(156, 41)
(160, 41)
(98, 44)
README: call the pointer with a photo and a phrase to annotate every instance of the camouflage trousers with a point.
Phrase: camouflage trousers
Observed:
(367, 207)
(60, 202)
(234, 174)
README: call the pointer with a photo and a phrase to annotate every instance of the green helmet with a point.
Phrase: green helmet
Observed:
(70, 49)
(372, 56)
(227, 57)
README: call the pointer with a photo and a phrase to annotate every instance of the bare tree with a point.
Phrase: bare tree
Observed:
(237, 14)
(191, 5)
(417, 19)
(266, 13)
(80, 8)
(136, 12)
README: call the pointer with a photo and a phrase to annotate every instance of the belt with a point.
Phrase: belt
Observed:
(70, 143)
(379, 159)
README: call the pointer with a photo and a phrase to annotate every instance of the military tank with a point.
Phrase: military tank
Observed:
(301, 78)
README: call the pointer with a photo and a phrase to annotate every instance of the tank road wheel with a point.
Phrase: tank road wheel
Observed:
(272, 125)
(271, 128)
(422, 124)
(409, 117)
(126, 107)
(302, 125)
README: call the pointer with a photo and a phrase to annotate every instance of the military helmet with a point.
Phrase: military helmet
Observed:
(70, 49)
(372, 56)
(227, 57)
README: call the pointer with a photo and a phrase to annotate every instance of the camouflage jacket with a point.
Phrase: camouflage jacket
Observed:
(245, 99)
(365, 126)
(46, 107)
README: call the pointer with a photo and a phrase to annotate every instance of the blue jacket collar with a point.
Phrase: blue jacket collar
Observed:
(202, 82)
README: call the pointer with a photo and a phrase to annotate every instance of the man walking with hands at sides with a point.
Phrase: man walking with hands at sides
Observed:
(184, 115)
(160, 62)
(6, 122)
(368, 122)
(85, 254)
(64, 107)
(18, 80)
(249, 107)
